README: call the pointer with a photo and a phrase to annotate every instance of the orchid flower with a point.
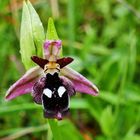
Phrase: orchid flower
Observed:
(52, 83)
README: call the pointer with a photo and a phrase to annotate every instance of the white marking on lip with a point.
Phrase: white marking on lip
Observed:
(61, 91)
(47, 92)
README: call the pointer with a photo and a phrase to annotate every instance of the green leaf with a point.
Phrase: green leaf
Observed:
(110, 97)
(37, 29)
(51, 31)
(106, 121)
(27, 46)
(132, 55)
(15, 133)
(132, 137)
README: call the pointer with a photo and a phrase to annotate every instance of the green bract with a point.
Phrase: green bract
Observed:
(31, 36)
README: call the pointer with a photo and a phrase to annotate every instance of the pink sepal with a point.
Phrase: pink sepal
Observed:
(24, 84)
(81, 84)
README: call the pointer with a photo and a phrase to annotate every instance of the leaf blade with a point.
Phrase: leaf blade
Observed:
(37, 29)
(27, 47)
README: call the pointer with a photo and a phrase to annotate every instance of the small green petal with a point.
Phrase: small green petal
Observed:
(51, 31)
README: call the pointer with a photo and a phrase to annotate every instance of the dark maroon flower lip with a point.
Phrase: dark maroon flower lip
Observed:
(53, 92)
(56, 115)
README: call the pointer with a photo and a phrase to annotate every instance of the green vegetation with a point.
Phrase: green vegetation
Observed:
(103, 36)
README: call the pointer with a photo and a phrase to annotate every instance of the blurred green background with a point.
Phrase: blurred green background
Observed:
(103, 36)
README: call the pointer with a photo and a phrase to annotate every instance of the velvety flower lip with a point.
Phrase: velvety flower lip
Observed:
(53, 92)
